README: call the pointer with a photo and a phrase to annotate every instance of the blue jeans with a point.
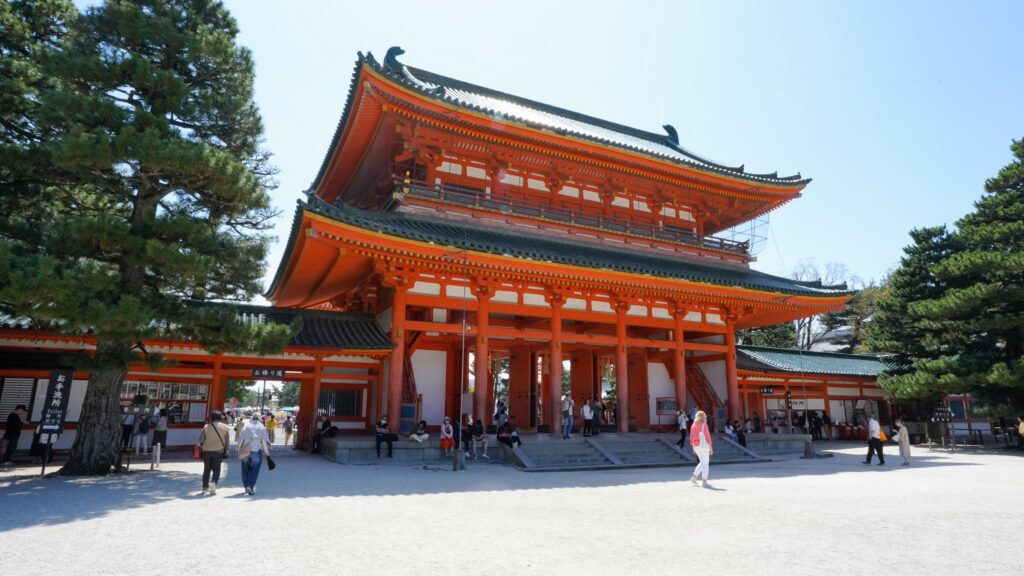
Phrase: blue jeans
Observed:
(251, 469)
(567, 426)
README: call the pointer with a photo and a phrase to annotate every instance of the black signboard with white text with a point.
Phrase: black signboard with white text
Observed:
(55, 408)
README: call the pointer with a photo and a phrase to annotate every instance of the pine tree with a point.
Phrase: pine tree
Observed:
(142, 184)
(774, 336)
(899, 330)
(955, 315)
(982, 311)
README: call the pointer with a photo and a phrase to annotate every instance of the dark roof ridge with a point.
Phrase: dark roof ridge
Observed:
(404, 75)
(798, 351)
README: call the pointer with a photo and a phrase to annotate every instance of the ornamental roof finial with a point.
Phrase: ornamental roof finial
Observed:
(391, 59)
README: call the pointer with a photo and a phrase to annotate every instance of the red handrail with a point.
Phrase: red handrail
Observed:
(467, 196)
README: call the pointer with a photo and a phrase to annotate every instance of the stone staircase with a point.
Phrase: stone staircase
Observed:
(729, 452)
(567, 454)
(613, 451)
(647, 452)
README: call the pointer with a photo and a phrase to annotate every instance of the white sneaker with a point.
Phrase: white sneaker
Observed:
(213, 489)
(467, 454)
(693, 480)
(485, 456)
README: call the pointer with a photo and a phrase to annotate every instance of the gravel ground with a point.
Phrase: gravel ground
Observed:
(948, 513)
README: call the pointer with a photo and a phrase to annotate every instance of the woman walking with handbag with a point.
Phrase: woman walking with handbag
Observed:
(700, 439)
(253, 445)
(213, 441)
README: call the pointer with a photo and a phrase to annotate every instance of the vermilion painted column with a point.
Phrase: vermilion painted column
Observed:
(314, 401)
(218, 390)
(481, 364)
(732, 386)
(396, 366)
(555, 375)
(621, 370)
(679, 361)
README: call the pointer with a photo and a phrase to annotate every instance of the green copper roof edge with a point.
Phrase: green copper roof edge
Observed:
(702, 272)
(700, 162)
(756, 353)
(368, 59)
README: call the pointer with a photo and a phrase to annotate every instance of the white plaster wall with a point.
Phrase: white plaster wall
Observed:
(715, 373)
(430, 369)
(659, 385)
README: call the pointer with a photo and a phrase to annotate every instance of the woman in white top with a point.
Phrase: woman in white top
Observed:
(253, 444)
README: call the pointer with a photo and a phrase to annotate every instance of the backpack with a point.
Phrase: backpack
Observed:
(144, 425)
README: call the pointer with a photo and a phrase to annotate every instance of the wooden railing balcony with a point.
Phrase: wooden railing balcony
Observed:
(476, 199)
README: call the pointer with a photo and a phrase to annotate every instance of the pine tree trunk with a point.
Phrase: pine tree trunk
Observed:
(99, 428)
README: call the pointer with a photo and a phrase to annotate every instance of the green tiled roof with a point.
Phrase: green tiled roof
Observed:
(320, 328)
(801, 361)
(547, 249)
(510, 108)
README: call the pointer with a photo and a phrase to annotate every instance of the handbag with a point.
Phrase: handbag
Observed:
(197, 452)
(270, 463)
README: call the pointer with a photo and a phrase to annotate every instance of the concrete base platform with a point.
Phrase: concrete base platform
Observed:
(346, 450)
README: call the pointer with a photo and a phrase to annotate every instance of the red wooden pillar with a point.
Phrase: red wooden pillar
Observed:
(679, 360)
(555, 375)
(621, 369)
(218, 388)
(482, 369)
(309, 405)
(732, 386)
(396, 366)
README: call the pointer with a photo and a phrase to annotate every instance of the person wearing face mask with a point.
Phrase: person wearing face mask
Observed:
(384, 435)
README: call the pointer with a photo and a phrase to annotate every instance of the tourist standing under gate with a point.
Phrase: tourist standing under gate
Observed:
(567, 410)
(289, 425)
(214, 442)
(683, 423)
(271, 425)
(588, 417)
(874, 440)
(700, 439)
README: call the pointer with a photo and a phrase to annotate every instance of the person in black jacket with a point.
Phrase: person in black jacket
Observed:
(12, 434)
(478, 436)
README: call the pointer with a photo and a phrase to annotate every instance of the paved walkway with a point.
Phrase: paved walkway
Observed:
(946, 514)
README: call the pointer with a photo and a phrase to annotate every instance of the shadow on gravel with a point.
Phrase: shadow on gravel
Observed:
(31, 501)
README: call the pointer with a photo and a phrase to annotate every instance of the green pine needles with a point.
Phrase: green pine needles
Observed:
(954, 310)
(132, 177)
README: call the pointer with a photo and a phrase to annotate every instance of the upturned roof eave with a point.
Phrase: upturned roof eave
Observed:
(363, 61)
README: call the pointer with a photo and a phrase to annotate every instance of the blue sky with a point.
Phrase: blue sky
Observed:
(899, 111)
